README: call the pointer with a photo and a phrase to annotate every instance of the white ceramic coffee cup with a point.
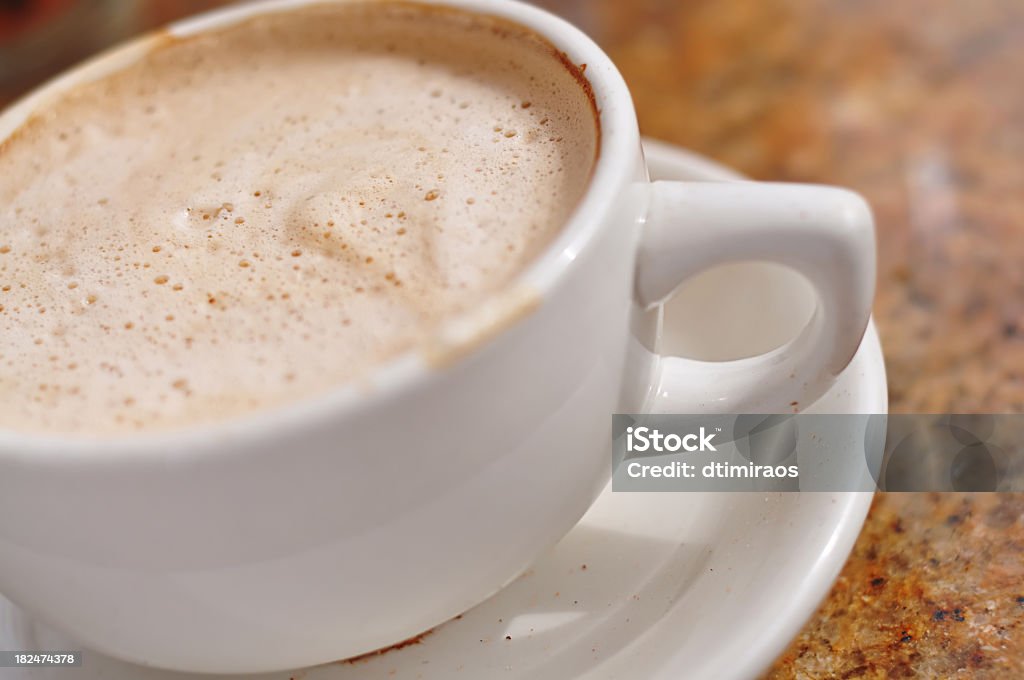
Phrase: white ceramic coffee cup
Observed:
(355, 520)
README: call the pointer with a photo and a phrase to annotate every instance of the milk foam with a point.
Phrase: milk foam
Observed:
(254, 216)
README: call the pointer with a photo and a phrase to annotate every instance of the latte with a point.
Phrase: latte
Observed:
(253, 216)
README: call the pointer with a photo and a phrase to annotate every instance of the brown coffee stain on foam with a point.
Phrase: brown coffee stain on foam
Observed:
(578, 74)
(464, 335)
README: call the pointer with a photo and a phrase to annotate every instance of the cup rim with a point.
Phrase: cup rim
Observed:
(619, 139)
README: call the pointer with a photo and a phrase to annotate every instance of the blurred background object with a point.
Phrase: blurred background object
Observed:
(918, 106)
(40, 37)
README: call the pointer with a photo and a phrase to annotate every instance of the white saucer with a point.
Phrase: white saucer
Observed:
(674, 584)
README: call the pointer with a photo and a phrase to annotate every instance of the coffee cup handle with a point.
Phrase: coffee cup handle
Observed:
(824, 233)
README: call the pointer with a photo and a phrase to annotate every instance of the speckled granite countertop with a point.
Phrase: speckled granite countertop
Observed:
(919, 106)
